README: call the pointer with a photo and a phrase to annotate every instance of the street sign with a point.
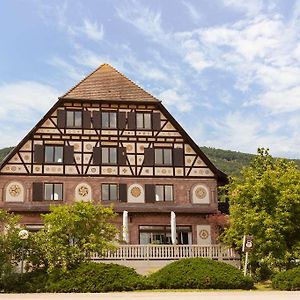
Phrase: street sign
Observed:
(247, 243)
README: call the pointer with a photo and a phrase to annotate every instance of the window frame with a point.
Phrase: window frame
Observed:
(109, 119)
(53, 184)
(163, 157)
(54, 149)
(164, 192)
(109, 185)
(143, 125)
(109, 162)
(73, 125)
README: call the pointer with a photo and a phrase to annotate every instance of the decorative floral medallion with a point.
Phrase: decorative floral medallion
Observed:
(129, 147)
(14, 190)
(93, 170)
(135, 192)
(83, 191)
(203, 234)
(89, 146)
(200, 193)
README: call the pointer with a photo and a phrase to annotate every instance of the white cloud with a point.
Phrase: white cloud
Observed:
(192, 11)
(172, 97)
(92, 30)
(250, 8)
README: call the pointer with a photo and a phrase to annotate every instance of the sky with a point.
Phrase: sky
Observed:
(228, 70)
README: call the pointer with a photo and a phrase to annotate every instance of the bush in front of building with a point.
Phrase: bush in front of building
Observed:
(288, 280)
(199, 273)
(96, 277)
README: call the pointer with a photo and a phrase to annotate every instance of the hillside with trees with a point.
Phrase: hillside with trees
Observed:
(230, 162)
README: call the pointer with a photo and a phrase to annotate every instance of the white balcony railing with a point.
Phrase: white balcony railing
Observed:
(165, 252)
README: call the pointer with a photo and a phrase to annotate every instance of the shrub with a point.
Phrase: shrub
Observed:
(200, 273)
(287, 280)
(96, 277)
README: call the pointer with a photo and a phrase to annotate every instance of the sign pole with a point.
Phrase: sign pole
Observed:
(246, 264)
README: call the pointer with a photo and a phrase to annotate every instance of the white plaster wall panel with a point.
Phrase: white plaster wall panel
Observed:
(136, 194)
(14, 192)
(201, 194)
(203, 235)
(83, 192)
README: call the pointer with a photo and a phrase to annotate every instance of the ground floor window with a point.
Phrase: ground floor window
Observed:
(162, 235)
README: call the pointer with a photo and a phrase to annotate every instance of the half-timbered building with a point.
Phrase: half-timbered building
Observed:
(109, 141)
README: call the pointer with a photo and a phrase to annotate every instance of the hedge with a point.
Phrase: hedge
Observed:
(199, 273)
(287, 280)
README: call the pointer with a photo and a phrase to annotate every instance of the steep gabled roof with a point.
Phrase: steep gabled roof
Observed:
(106, 83)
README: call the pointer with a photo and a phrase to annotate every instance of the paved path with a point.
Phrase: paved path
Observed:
(159, 296)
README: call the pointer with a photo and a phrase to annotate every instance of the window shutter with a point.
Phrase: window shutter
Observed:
(156, 121)
(97, 156)
(149, 193)
(123, 192)
(69, 155)
(178, 157)
(37, 191)
(38, 154)
(97, 119)
(61, 118)
(148, 157)
(131, 120)
(121, 120)
(122, 156)
(86, 119)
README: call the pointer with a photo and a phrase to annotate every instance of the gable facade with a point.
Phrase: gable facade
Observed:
(109, 141)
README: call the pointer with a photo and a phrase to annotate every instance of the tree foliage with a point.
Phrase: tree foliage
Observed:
(72, 232)
(265, 203)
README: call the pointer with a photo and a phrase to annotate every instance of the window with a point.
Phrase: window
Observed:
(162, 235)
(109, 119)
(74, 119)
(163, 157)
(53, 191)
(109, 156)
(54, 154)
(143, 120)
(163, 193)
(109, 192)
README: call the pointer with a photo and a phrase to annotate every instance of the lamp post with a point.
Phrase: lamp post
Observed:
(23, 235)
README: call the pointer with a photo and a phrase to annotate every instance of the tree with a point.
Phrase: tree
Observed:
(72, 232)
(265, 203)
(10, 245)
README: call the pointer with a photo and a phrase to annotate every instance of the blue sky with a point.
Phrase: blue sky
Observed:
(228, 70)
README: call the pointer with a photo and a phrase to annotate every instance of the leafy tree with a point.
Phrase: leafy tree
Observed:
(72, 232)
(265, 203)
(10, 244)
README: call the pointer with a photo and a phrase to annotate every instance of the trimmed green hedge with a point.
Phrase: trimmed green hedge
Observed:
(287, 280)
(199, 273)
(96, 277)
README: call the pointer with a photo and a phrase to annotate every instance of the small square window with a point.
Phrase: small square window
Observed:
(53, 191)
(163, 157)
(143, 120)
(54, 154)
(164, 193)
(74, 119)
(109, 192)
(109, 120)
(109, 155)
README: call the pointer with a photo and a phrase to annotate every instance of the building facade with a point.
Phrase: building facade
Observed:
(109, 141)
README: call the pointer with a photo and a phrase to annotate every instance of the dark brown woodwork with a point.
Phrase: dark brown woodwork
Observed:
(97, 119)
(149, 193)
(131, 120)
(37, 191)
(69, 155)
(123, 192)
(156, 125)
(86, 119)
(178, 157)
(122, 156)
(121, 120)
(38, 154)
(148, 157)
(97, 156)
(61, 118)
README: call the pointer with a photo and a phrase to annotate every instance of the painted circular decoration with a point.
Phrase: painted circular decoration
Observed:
(83, 191)
(164, 171)
(135, 191)
(14, 190)
(200, 193)
(203, 234)
(93, 170)
(129, 147)
(89, 146)
(13, 168)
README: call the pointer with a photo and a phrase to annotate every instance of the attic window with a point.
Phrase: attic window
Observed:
(74, 119)
(143, 120)
(109, 119)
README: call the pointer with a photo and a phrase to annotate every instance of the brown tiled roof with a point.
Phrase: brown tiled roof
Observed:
(106, 83)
